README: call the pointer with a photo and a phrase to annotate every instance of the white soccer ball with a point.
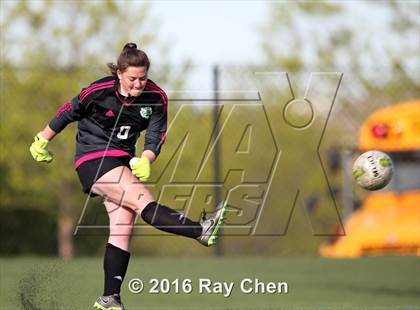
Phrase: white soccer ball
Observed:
(373, 170)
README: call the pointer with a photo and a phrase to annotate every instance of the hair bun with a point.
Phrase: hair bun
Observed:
(130, 45)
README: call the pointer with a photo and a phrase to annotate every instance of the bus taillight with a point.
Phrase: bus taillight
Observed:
(380, 131)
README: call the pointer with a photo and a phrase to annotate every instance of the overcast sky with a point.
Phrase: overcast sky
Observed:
(211, 32)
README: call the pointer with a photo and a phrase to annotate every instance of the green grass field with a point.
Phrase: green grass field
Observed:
(313, 283)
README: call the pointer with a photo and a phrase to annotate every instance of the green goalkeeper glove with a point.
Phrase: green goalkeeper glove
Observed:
(39, 149)
(140, 168)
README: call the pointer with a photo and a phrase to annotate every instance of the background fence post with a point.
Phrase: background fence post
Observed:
(218, 249)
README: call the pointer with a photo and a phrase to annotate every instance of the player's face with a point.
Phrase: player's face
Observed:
(132, 81)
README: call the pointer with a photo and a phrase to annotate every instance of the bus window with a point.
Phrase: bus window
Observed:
(406, 172)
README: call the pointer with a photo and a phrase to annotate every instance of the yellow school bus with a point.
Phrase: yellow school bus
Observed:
(388, 220)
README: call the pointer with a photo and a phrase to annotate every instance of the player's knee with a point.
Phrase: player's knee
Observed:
(134, 205)
(137, 201)
(122, 231)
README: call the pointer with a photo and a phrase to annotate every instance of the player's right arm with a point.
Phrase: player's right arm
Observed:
(48, 133)
(71, 111)
(39, 148)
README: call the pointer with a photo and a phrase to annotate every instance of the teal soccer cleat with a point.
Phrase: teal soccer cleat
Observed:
(211, 226)
(111, 302)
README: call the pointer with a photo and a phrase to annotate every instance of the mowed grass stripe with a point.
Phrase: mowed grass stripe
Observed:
(313, 283)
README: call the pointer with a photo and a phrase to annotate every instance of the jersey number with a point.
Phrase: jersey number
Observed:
(123, 133)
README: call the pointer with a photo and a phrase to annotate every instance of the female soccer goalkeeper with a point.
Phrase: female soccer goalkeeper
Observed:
(111, 113)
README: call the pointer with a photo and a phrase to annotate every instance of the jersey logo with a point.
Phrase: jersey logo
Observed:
(146, 112)
(110, 113)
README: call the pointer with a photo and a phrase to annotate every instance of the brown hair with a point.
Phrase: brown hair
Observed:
(130, 56)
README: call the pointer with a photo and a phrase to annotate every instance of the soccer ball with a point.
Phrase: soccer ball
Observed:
(373, 170)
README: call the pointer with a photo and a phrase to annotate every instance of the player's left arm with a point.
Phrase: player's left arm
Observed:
(153, 141)
(155, 133)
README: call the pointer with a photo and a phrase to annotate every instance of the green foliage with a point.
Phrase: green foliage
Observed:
(27, 231)
(321, 8)
(304, 37)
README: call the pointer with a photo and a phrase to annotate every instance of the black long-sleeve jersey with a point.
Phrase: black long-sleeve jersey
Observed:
(109, 124)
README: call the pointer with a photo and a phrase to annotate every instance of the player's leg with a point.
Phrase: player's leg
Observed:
(121, 186)
(121, 223)
(117, 255)
(131, 193)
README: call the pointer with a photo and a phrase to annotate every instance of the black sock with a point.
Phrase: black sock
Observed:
(115, 267)
(169, 220)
